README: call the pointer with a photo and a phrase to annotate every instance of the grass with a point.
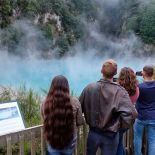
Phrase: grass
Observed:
(29, 103)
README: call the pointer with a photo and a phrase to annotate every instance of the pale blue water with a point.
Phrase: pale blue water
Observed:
(37, 74)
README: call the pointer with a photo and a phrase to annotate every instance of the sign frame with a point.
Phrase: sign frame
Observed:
(11, 118)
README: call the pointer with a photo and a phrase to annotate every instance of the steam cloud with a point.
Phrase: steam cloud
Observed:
(80, 69)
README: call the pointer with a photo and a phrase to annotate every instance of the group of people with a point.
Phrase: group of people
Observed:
(110, 109)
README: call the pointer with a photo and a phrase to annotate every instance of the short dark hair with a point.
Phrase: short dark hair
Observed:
(109, 68)
(148, 70)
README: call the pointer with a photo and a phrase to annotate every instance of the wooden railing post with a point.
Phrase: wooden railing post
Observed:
(77, 150)
(9, 148)
(98, 152)
(42, 143)
(84, 138)
(33, 149)
(131, 140)
(21, 144)
(128, 142)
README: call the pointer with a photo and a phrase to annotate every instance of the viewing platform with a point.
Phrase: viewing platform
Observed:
(30, 141)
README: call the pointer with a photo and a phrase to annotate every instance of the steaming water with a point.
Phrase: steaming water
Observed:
(37, 74)
(80, 69)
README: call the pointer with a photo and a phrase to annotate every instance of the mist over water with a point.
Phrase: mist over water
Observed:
(82, 68)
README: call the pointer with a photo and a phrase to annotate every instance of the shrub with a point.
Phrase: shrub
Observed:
(28, 100)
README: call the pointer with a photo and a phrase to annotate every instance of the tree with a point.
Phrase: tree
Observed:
(147, 24)
(63, 45)
(131, 15)
(6, 12)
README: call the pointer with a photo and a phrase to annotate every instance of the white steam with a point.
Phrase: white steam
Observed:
(82, 68)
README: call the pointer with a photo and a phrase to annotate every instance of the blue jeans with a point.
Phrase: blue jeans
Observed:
(107, 142)
(68, 151)
(120, 149)
(138, 133)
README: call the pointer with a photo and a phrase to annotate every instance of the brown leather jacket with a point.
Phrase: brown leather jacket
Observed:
(107, 106)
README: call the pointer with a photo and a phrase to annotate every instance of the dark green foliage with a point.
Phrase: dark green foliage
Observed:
(29, 103)
(147, 25)
(23, 5)
(68, 11)
(5, 13)
(63, 45)
(88, 8)
(47, 31)
(133, 24)
(113, 20)
(28, 100)
(130, 15)
(154, 73)
(142, 21)
(11, 38)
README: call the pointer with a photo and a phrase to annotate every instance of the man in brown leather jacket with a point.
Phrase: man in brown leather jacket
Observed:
(107, 108)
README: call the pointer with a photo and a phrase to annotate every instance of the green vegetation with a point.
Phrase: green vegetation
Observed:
(147, 25)
(6, 13)
(128, 15)
(142, 22)
(29, 103)
(69, 13)
(154, 73)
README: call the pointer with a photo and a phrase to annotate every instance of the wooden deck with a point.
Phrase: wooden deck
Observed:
(30, 142)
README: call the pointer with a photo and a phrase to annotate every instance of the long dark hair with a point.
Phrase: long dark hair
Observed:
(58, 114)
(127, 79)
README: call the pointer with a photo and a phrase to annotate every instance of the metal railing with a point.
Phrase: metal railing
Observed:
(34, 137)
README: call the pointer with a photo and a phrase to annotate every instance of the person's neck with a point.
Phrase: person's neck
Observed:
(147, 79)
(111, 80)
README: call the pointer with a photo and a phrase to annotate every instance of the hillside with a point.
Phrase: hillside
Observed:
(59, 25)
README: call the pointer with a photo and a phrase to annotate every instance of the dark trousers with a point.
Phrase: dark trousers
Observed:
(106, 141)
(120, 149)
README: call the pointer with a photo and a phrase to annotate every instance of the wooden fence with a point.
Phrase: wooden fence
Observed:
(15, 143)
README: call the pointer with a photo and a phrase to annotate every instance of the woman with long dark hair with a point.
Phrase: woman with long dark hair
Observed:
(61, 116)
(127, 79)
